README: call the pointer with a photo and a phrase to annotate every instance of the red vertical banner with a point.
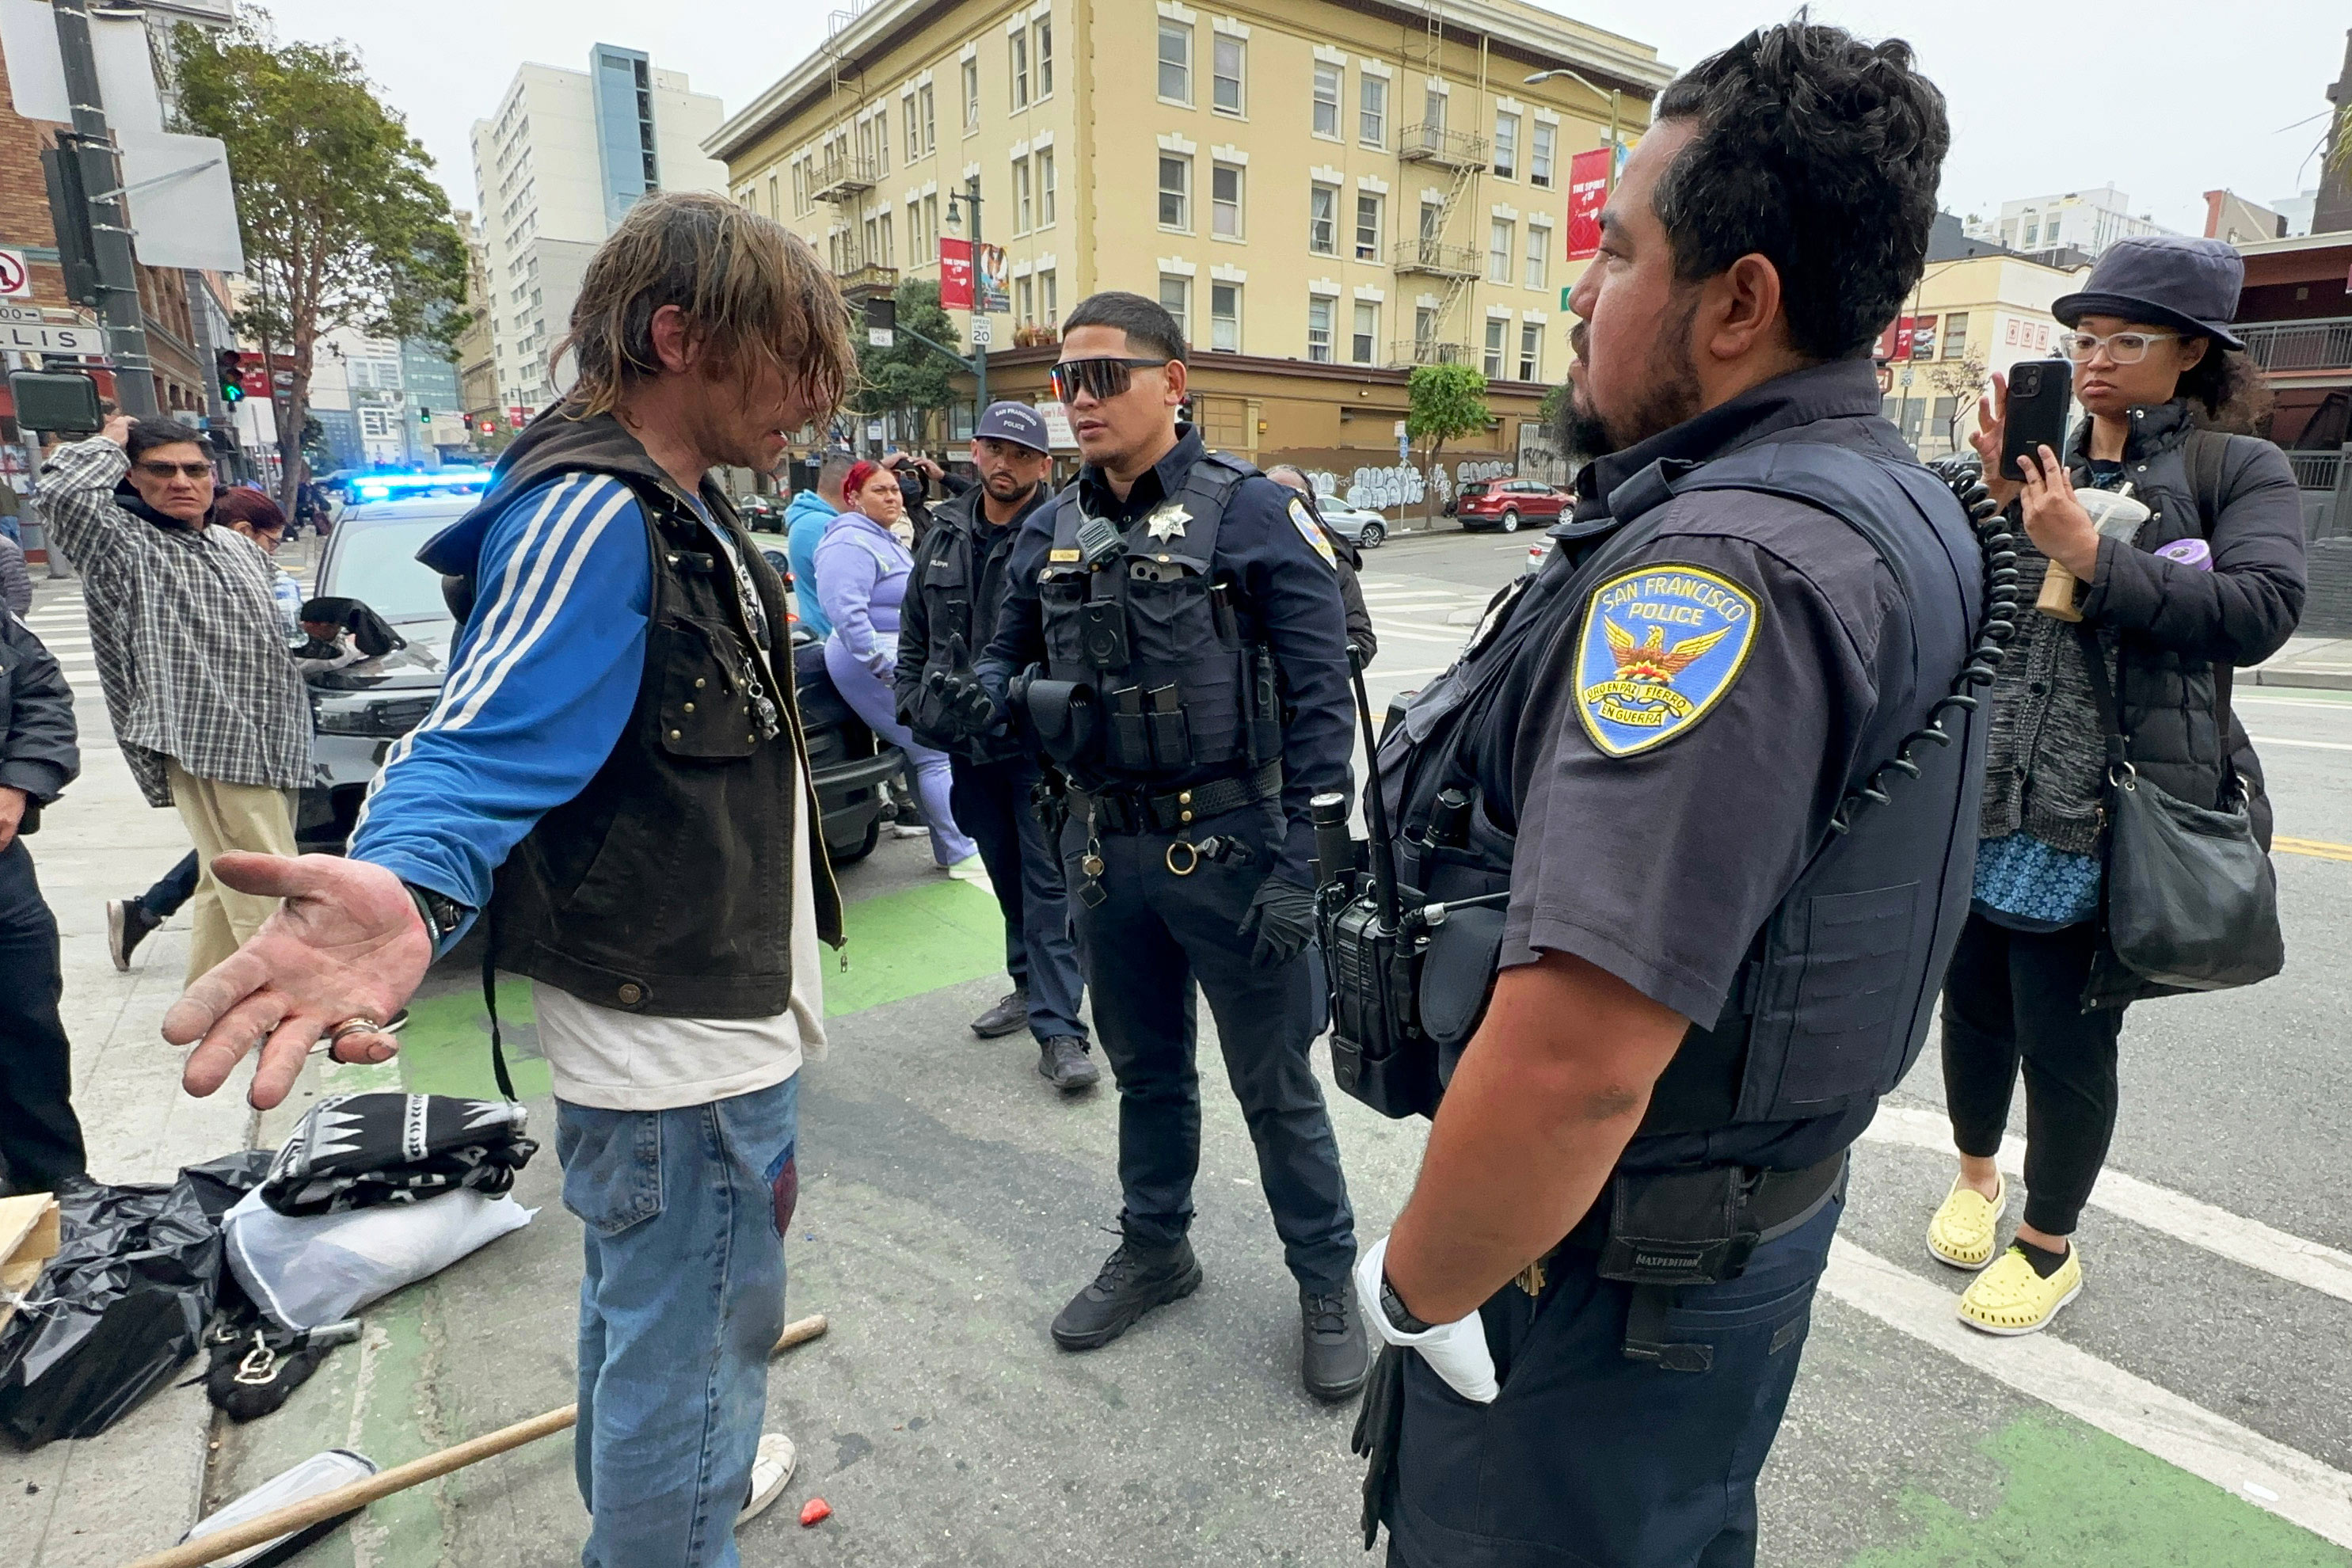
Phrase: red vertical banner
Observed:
(955, 274)
(1588, 191)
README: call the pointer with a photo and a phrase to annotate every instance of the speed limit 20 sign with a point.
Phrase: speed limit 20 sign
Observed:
(15, 278)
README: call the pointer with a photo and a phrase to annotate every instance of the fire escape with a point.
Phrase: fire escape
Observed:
(1460, 157)
(848, 165)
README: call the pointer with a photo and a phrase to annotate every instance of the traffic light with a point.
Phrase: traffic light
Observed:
(232, 376)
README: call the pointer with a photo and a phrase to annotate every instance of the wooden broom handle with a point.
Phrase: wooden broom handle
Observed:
(358, 1494)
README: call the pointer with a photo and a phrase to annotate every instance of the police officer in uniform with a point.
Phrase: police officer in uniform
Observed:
(952, 598)
(1727, 908)
(1173, 637)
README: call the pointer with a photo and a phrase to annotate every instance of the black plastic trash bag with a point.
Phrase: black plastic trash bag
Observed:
(122, 1303)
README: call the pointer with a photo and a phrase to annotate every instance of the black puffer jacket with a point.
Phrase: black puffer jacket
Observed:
(2176, 624)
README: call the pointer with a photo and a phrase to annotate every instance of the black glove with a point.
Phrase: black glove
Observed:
(965, 704)
(1283, 916)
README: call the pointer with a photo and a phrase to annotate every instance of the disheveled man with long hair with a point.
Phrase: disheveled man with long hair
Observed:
(614, 781)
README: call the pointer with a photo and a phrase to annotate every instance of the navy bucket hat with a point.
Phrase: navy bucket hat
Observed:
(2170, 279)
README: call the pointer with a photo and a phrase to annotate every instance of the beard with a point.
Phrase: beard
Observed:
(1671, 393)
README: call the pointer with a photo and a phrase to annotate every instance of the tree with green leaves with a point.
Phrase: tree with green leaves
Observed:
(1447, 402)
(907, 378)
(343, 225)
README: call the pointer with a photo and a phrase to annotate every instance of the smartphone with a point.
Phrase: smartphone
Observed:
(2040, 391)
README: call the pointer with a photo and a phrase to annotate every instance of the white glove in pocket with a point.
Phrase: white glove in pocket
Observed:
(1456, 1351)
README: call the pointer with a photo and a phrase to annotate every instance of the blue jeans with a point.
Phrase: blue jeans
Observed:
(681, 1302)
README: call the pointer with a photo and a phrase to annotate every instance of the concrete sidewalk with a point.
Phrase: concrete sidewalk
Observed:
(2324, 662)
(134, 1489)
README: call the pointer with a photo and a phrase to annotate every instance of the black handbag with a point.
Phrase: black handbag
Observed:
(2191, 897)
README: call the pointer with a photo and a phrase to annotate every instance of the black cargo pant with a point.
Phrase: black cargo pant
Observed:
(2012, 1003)
(1589, 1457)
(1145, 945)
(40, 1138)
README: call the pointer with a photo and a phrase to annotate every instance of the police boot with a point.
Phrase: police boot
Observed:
(1334, 1358)
(1134, 1279)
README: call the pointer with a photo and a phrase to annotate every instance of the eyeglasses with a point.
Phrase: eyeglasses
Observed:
(1098, 378)
(185, 470)
(2124, 348)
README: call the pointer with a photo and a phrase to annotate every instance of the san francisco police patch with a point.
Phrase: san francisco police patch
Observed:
(1661, 647)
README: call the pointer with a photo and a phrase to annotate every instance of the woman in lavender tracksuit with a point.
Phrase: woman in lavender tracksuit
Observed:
(861, 576)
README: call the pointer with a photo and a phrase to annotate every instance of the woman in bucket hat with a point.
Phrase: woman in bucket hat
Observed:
(2171, 401)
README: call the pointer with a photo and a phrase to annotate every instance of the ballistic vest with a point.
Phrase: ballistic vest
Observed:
(1180, 678)
(1832, 1001)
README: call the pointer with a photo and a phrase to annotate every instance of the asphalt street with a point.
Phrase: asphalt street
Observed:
(2192, 1407)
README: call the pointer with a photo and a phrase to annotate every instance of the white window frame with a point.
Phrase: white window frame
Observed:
(1371, 123)
(1218, 44)
(1182, 309)
(1329, 305)
(1225, 329)
(1377, 202)
(1183, 192)
(1328, 222)
(1336, 79)
(1506, 160)
(1180, 35)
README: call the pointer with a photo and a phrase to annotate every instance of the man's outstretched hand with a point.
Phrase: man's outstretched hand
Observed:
(347, 942)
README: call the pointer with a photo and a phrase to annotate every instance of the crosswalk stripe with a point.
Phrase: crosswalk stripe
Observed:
(2311, 1264)
(2258, 1470)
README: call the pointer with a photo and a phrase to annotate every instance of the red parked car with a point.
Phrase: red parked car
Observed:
(1506, 503)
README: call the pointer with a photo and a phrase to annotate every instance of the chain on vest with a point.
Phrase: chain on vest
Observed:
(1141, 633)
(1831, 1003)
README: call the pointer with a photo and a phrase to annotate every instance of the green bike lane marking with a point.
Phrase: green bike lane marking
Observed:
(901, 944)
(2072, 1494)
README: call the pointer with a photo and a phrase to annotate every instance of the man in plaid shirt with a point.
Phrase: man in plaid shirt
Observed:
(209, 709)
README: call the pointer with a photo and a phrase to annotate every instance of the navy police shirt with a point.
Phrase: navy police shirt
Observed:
(1703, 709)
(1287, 587)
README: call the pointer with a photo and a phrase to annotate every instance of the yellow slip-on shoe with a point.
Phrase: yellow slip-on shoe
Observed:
(1962, 1233)
(2010, 1299)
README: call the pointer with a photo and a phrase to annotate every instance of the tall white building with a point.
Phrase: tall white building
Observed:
(566, 155)
(2083, 221)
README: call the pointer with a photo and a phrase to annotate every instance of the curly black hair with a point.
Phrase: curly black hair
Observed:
(1821, 154)
(2226, 392)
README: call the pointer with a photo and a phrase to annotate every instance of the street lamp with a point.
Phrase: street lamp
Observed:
(981, 333)
(1611, 93)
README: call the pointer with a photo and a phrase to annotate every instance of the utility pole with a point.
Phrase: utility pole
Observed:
(979, 301)
(106, 217)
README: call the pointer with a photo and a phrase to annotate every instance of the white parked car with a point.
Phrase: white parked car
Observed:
(1364, 530)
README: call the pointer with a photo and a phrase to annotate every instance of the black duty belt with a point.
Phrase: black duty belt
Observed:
(1662, 1229)
(1116, 810)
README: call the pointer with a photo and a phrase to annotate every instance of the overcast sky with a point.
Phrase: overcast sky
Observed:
(2163, 98)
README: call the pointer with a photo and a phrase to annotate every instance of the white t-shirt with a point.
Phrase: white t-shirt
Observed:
(614, 1060)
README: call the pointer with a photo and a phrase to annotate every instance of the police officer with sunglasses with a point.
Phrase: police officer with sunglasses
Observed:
(1173, 637)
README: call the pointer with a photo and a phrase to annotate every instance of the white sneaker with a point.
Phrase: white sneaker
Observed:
(771, 1471)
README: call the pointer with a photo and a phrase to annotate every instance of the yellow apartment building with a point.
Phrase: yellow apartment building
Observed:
(1970, 317)
(1325, 193)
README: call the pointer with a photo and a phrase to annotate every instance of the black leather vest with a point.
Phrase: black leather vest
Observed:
(1181, 680)
(1833, 1001)
(665, 886)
